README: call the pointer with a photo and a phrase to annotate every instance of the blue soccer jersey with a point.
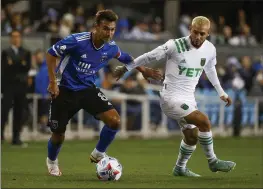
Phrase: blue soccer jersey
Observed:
(81, 60)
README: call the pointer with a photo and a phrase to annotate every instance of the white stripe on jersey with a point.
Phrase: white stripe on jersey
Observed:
(84, 39)
(62, 67)
(86, 36)
(53, 47)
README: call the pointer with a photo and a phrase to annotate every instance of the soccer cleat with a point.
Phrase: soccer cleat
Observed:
(221, 165)
(53, 168)
(184, 172)
(96, 156)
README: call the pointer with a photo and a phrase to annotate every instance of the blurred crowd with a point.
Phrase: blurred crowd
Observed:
(223, 33)
(78, 19)
(145, 27)
(236, 73)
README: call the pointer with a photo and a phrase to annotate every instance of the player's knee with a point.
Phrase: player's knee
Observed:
(58, 138)
(115, 123)
(191, 136)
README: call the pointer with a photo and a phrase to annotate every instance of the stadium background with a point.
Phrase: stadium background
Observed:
(143, 25)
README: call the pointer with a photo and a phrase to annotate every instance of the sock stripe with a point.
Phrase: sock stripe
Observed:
(204, 138)
(185, 151)
(207, 140)
(189, 150)
(206, 143)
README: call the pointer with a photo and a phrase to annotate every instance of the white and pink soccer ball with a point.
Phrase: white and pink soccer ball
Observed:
(108, 169)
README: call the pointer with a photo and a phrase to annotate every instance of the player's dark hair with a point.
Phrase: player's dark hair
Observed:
(107, 15)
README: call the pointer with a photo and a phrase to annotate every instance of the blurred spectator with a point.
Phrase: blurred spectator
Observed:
(214, 37)
(141, 32)
(221, 24)
(16, 62)
(246, 72)
(231, 75)
(41, 85)
(48, 22)
(79, 17)
(246, 38)
(184, 24)
(228, 38)
(66, 26)
(130, 86)
(241, 20)
(156, 28)
(15, 23)
(122, 28)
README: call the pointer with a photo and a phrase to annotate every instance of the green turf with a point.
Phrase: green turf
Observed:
(146, 164)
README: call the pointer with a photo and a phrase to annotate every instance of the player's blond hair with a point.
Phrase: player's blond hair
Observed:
(201, 20)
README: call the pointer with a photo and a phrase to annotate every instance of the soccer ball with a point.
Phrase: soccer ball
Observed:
(108, 168)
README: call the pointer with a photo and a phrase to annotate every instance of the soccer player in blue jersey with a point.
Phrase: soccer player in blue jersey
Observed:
(72, 86)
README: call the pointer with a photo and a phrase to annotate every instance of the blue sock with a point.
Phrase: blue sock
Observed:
(107, 135)
(53, 150)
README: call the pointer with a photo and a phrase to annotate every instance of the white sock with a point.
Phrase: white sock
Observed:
(185, 153)
(206, 141)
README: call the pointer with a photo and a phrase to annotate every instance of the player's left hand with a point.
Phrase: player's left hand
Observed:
(227, 100)
(119, 72)
(152, 73)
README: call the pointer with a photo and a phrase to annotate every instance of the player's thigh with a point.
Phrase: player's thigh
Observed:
(197, 118)
(98, 105)
(178, 109)
(62, 108)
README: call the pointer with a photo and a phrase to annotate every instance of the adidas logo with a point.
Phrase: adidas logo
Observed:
(84, 56)
(183, 61)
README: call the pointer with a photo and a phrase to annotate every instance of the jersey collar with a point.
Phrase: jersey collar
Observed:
(94, 45)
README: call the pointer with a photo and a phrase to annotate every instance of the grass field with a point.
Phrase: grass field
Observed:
(147, 164)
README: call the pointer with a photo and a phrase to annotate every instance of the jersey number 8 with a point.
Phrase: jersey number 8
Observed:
(102, 96)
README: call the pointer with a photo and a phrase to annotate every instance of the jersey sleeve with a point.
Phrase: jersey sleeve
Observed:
(63, 47)
(212, 62)
(123, 56)
(211, 74)
(156, 54)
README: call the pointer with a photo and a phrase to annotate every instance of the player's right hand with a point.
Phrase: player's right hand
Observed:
(53, 89)
(226, 99)
(119, 72)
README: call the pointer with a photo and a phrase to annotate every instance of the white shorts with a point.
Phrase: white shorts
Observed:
(177, 108)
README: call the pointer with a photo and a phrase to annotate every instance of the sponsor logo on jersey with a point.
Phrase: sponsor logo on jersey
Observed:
(84, 56)
(190, 72)
(203, 61)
